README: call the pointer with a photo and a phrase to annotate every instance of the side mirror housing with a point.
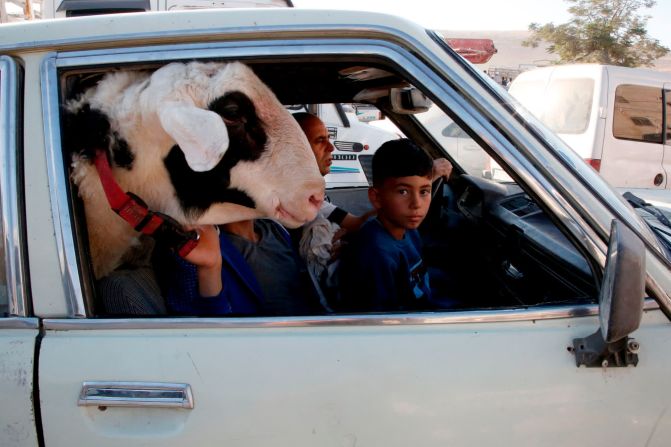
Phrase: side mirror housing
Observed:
(623, 286)
(620, 304)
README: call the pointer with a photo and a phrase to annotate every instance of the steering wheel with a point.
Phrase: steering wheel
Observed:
(436, 186)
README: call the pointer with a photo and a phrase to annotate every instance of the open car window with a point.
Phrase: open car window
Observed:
(488, 244)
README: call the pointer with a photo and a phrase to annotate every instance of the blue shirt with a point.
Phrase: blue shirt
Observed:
(381, 273)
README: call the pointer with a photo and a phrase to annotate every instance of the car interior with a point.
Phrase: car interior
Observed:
(489, 242)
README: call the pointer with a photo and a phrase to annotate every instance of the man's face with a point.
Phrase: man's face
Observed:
(401, 203)
(318, 137)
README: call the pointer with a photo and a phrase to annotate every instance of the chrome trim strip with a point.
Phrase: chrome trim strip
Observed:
(11, 191)
(19, 323)
(461, 317)
(136, 394)
(58, 187)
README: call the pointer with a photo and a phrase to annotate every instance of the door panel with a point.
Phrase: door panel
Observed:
(392, 384)
(17, 416)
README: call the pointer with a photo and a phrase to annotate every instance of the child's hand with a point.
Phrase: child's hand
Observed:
(441, 168)
(207, 258)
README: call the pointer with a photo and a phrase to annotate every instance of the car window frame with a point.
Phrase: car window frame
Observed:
(11, 189)
(406, 62)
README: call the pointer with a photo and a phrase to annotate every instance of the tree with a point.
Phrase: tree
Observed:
(602, 31)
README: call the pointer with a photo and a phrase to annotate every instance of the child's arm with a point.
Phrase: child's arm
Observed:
(207, 259)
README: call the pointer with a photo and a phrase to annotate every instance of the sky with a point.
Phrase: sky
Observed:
(495, 15)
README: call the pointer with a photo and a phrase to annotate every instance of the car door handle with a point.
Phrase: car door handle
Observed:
(136, 394)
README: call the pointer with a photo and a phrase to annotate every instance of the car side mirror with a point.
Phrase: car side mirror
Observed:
(620, 303)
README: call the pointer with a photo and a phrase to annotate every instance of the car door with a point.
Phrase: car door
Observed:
(18, 331)
(478, 377)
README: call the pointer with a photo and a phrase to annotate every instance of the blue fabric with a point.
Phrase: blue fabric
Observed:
(240, 294)
(380, 273)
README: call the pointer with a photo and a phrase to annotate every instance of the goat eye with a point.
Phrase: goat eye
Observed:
(231, 112)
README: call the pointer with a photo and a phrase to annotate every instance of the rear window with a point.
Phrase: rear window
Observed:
(564, 105)
(638, 113)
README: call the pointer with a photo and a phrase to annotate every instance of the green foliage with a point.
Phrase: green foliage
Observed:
(601, 31)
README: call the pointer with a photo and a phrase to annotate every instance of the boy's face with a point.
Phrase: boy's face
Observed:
(401, 203)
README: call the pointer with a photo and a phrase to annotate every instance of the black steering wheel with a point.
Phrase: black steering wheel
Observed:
(436, 186)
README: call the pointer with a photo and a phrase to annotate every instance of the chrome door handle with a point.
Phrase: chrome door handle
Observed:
(136, 394)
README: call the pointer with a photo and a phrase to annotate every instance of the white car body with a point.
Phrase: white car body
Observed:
(470, 377)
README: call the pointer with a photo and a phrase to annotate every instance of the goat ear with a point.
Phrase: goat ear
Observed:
(201, 134)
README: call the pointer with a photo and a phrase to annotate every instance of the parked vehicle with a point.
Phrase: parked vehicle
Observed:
(614, 117)
(75, 8)
(463, 149)
(558, 335)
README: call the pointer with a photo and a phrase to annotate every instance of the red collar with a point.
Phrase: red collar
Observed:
(134, 211)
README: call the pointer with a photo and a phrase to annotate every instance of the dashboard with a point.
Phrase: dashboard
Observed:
(526, 252)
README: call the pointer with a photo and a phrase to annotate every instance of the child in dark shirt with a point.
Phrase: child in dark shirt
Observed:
(382, 267)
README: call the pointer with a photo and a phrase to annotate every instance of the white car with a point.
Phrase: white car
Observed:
(558, 328)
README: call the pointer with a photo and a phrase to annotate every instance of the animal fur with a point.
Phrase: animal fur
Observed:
(206, 143)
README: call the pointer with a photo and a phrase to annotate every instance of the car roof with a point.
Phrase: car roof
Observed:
(158, 27)
(591, 71)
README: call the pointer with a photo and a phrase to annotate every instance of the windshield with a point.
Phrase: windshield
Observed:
(463, 149)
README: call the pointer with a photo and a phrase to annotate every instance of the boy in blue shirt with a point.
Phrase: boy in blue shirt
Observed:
(382, 268)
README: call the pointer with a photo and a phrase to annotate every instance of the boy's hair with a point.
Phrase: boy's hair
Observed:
(400, 158)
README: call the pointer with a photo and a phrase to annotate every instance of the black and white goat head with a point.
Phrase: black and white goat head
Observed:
(205, 143)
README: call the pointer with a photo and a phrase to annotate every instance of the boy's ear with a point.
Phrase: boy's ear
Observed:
(374, 197)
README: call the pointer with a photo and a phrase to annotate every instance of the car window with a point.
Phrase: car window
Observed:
(484, 245)
(638, 113)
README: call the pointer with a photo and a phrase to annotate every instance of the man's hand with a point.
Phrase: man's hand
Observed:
(441, 168)
(337, 243)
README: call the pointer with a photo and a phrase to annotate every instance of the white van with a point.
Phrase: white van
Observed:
(612, 116)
